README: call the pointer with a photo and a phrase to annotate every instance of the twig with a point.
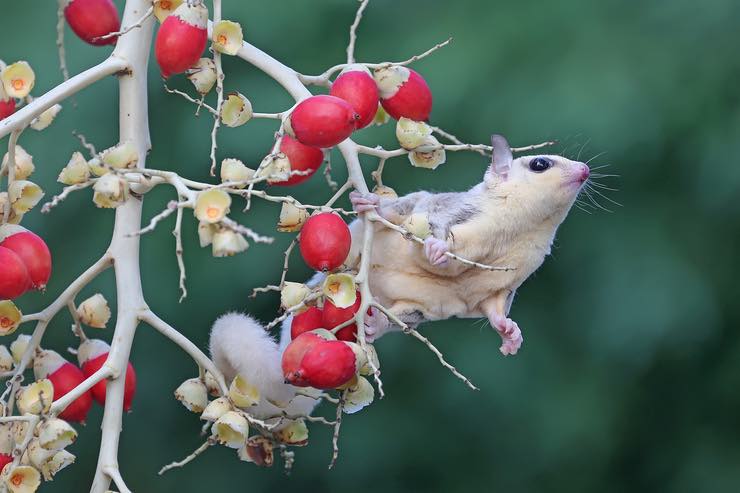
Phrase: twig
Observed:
(135, 25)
(323, 79)
(337, 426)
(353, 31)
(12, 142)
(219, 89)
(408, 330)
(87, 145)
(172, 206)
(55, 200)
(177, 232)
(189, 458)
(454, 139)
(198, 102)
(60, 39)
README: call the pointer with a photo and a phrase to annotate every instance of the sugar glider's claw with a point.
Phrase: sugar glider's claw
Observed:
(376, 325)
(363, 202)
(435, 250)
(511, 335)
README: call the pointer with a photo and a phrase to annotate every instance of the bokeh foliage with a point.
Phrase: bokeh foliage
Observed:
(628, 377)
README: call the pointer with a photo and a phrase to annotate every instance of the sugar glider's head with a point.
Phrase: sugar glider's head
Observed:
(544, 186)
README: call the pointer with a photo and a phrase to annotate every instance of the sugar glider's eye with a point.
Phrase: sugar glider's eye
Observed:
(540, 164)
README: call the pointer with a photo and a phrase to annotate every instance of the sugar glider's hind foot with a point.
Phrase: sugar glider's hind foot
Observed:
(376, 325)
(511, 335)
(363, 202)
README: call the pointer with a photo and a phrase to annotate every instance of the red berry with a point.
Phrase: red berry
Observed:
(404, 93)
(64, 377)
(328, 365)
(7, 108)
(293, 355)
(91, 19)
(325, 241)
(98, 391)
(303, 322)
(358, 88)
(334, 316)
(302, 158)
(35, 255)
(5, 459)
(14, 278)
(322, 121)
(181, 39)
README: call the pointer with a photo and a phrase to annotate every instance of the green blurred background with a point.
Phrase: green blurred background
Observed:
(628, 380)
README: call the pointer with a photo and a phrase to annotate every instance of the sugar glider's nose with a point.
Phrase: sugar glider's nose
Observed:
(583, 171)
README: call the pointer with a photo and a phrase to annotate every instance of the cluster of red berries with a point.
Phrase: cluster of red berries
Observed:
(66, 376)
(315, 357)
(25, 263)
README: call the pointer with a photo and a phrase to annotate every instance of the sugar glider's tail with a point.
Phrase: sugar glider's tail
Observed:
(241, 345)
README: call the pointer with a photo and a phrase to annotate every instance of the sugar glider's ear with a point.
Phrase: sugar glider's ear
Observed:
(502, 156)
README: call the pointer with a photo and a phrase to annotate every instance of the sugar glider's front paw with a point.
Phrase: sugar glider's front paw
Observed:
(435, 250)
(376, 325)
(511, 335)
(363, 202)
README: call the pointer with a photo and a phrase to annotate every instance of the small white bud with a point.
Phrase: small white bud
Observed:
(24, 195)
(46, 118)
(418, 224)
(59, 461)
(22, 479)
(211, 206)
(216, 408)
(212, 385)
(275, 168)
(242, 393)
(428, 155)
(372, 356)
(205, 233)
(295, 433)
(36, 398)
(203, 75)
(77, 171)
(293, 293)
(56, 434)
(231, 429)
(411, 134)
(340, 289)
(23, 163)
(18, 79)
(18, 347)
(163, 8)
(10, 317)
(94, 311)
(193, 394)
(110, 191)
(359, 396)
(236, 110)
(38, 455)
(6, 360)
(227, 243)
(121, 156)
(292, 218)
(233, 170)
(227, 37)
